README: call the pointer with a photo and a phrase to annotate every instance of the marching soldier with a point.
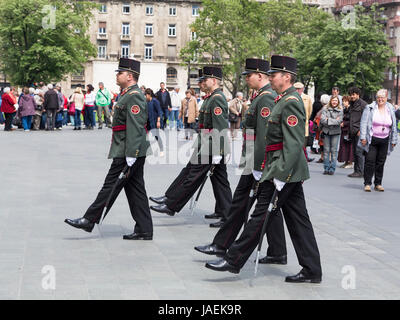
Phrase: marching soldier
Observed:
(128, 147)
(210, 155)
(284, 169)
(255, 127)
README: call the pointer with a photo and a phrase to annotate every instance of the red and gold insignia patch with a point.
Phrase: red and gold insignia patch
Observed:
(217, 111)
(265, 112)
(135, 109)
(292, 121)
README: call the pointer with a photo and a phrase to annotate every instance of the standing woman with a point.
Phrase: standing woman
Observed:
(188, 113)
(331, 119)
(346, 149)
(9, 106)
(26, 110)
(90, 98)
(78, 99)
(378, 136)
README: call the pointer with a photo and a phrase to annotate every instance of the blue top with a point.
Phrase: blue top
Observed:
(154, 111)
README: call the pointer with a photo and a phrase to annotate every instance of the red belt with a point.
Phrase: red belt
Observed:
(119, 128)
(249, 137)
(271, 147)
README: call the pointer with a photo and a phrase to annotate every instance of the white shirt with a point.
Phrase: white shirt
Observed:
(90, 98)
(175, 100)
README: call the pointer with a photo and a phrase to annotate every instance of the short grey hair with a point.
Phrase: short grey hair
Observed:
(31, 90)
(101, 84)
(239, 94)
(6, 90)
(177, 87)
(50, 86)
(382, 92)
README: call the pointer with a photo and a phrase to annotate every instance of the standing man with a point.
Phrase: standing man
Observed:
(235, 111)
(103, 102)
(164, 98)
(253, 150)
(51, 104)
(128, 147)
(308, 108)
(284, 168)
(215, 121)
(335, 93)
(357, 106)
(176, 105)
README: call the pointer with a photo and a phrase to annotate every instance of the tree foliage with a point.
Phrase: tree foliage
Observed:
(229, 31)
(33, 50)
(337, 55)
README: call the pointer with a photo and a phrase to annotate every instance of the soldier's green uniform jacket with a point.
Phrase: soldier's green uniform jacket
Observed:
(129, 121)
(255, 129)
(286, 125)
(216, 121)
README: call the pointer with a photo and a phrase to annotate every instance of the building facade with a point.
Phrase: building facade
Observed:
(152, 32)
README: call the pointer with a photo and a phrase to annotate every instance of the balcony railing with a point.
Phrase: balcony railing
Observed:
(102, 36)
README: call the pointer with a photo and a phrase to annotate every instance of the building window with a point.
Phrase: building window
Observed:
(149, 29)
(102, 28)
(172, 30)
(172, 10)
(126, 8)
(149, 10)
(390, 75)
(193, 35)
(103, 8)
(195, 10)
(389, 94)
(125, 50)
(172, 74)
(102, 50)
(148, 51)
(125, 29)
(171, 51)
(391, 32)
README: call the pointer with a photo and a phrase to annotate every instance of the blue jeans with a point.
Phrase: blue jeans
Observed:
(164, 119)
(77, 118)
(1, 118)
(330, 152)
(65, 117)
(173, 116)
(91, 121)
(27, 122)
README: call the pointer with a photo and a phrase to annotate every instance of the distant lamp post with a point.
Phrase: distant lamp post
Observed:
(397, 79)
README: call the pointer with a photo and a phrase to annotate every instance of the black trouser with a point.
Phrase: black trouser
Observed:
(241, 202)
(9, 118)
(135, 192)
(191, 180)
(219, 183)
(375, 160)
(51, 118)
(291, 201)
(358, 155)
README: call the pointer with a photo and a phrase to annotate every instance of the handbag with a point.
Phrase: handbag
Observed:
(71, 110)
(232, 117)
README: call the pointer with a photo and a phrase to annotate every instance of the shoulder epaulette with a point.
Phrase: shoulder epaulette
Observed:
(292, 98)
(133, 92)
(216, 95)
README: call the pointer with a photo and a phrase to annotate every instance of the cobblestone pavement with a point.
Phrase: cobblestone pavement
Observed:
(48, 176)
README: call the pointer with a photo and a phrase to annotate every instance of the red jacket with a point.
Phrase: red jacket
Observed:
(7, 103)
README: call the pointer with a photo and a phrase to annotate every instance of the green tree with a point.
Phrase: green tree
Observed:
(229, 31)
(343, 55)
(43, 40)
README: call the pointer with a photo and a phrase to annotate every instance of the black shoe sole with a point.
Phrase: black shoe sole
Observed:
(273, 262)
(156, 201)
(304, 281)
(171, 214)
(139, 238)
(212, 217)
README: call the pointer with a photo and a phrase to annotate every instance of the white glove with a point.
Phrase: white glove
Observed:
(16, 106)
(216, 159)
(279, 184)
(130, 161)
(257, 175)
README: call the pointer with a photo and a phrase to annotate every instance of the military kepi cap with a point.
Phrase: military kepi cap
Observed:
(212, 72)
(131, 65)
(282, 63)
(256, 65)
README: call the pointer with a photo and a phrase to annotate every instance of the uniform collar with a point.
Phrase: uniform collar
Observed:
(134, 86)
(259, 91)
(288, 91)
(215, 91)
